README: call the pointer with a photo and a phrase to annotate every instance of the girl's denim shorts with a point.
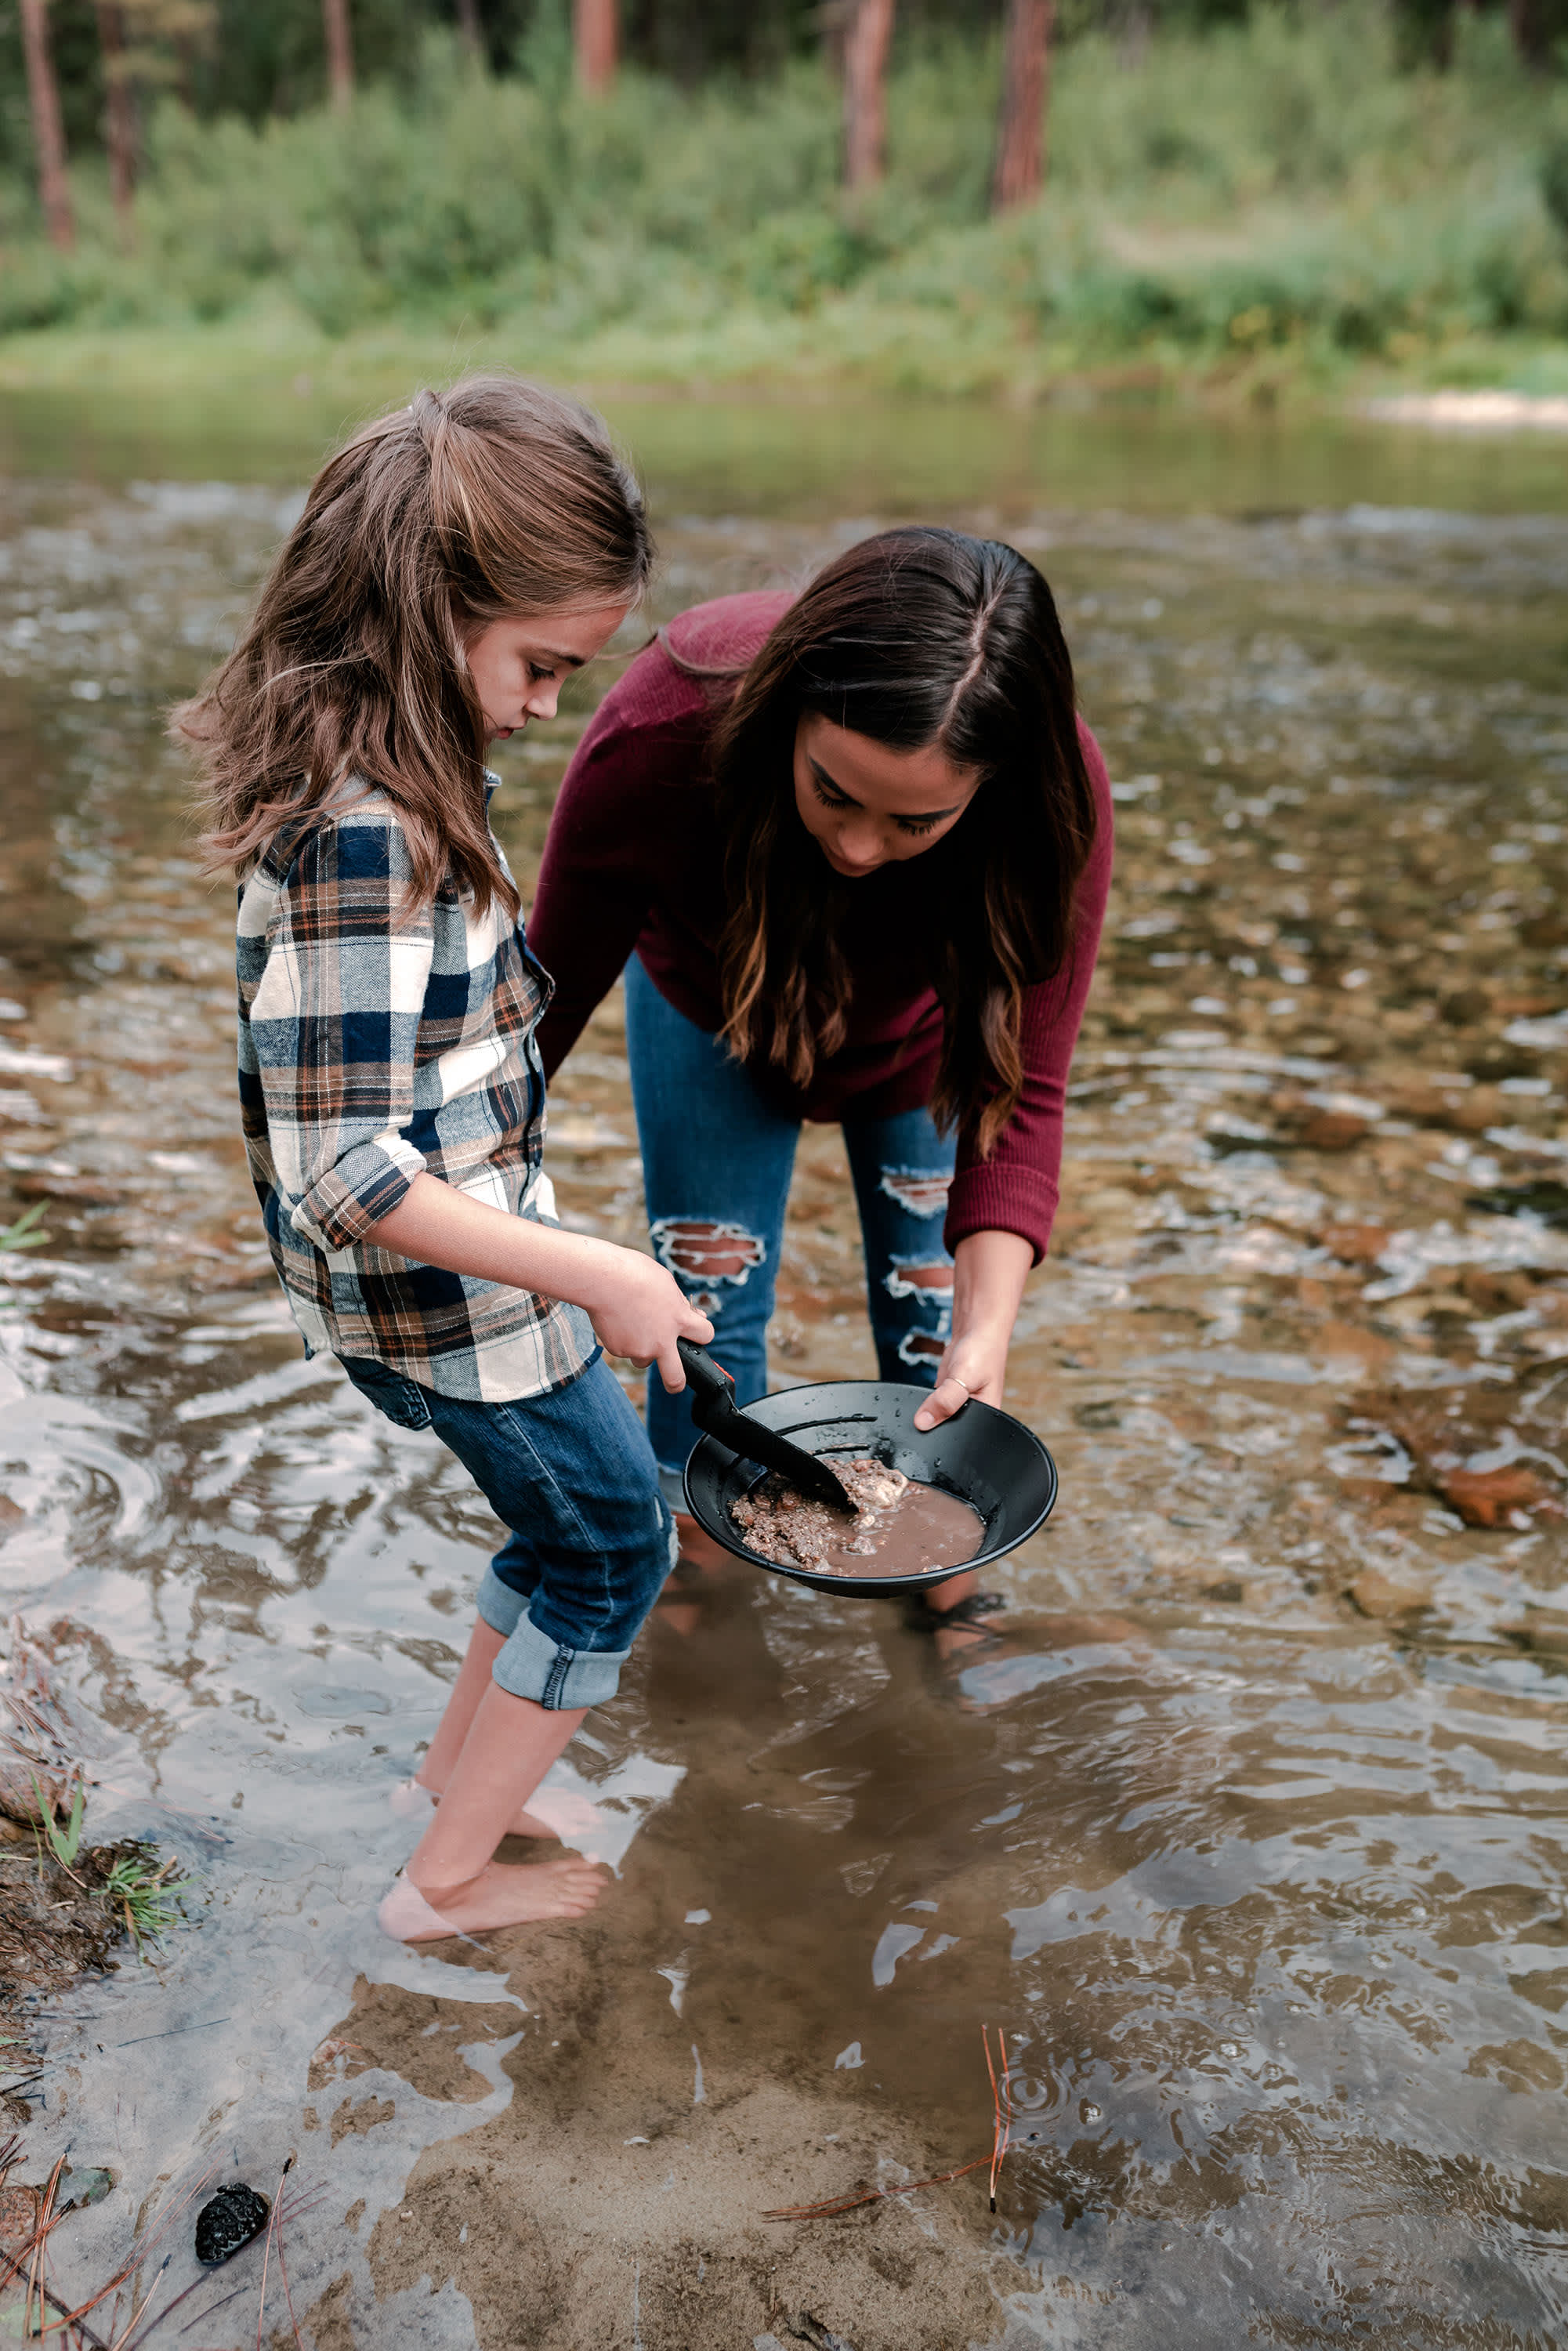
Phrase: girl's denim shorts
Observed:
(572, 1474)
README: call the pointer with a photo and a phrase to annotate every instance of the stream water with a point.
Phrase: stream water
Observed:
(1249, 1834)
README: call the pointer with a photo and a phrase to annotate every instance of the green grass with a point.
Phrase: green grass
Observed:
(1266, 206)
(65, 1842)
(145, 1895)
(140, 1892)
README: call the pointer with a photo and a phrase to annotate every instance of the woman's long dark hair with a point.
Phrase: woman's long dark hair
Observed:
(917, 637)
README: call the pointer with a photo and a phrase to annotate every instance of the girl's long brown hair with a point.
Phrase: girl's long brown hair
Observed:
(915, 637)
(493, 499)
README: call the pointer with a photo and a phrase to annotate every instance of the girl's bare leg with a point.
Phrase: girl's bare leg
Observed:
(561, 1813)
(511, 1744)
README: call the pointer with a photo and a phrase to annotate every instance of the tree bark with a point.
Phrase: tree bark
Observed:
(866, 46)
(48, 132)
(469, 27)
(595, 43)
(340, 52)
(1536, 30)
(119, 115)
(1021, 120)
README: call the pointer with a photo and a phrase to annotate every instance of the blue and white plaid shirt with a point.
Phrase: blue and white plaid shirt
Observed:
(372, 1049)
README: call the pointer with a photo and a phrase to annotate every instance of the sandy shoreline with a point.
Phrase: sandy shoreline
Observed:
(1474, 412)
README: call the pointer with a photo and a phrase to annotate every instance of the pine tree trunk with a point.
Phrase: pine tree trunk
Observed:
(340, 52)
(595, 42)
(48, 132)
(120, 115)
(866, 46)
(1020, 121)
(1532, 35)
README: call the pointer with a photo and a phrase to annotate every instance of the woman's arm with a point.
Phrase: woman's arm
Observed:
(1015, 1190)
(989, 1272)
(999, 1209)
(636, 1307)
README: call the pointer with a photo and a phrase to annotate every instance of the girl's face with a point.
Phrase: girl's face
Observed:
(518, 666)
(865, 806)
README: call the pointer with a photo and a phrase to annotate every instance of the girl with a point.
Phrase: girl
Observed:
(453, 564)
(861, 844)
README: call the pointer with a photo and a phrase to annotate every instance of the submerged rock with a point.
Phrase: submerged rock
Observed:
(228, 2221)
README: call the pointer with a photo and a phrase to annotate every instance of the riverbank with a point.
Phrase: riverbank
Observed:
(270, 355)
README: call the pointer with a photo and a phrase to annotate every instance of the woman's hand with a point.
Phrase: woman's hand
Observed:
(988, 1275)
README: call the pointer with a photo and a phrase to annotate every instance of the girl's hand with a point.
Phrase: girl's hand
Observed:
(988, 1274)
(642, 1311)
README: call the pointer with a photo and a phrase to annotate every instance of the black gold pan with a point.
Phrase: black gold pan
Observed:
(985, 1456)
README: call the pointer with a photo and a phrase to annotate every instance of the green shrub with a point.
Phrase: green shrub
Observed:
(1251, 185)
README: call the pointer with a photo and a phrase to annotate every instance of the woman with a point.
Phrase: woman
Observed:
(861, 844)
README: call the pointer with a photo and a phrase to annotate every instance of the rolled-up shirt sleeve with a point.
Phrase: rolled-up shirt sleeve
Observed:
(340, 983)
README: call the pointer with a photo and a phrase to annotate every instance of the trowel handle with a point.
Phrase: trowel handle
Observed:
(713, 1390)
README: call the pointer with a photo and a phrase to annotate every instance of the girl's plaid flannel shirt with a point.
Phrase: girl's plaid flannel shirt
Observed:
(370, 1048)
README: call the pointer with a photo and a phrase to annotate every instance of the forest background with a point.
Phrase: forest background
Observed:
(1253, 198)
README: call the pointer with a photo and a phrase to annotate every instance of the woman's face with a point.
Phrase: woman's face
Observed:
(865, 806)
(520, 665)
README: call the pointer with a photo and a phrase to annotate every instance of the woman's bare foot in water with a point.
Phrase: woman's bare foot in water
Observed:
(503, 1897)
(940, 1602)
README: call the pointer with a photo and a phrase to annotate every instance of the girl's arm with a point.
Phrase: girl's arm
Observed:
(334, 978)
(636, 1307)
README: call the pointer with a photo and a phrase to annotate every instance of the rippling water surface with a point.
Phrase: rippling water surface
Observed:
(1249, 1834)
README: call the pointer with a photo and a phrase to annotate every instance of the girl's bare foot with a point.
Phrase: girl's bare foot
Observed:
(557, 1813)
(498, 1897)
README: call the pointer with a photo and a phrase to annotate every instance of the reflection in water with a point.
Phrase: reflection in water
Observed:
(1248, 1832)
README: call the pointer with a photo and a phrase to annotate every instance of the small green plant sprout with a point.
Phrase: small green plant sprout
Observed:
(147, 1895)
(27, 1232)
(65, 1843)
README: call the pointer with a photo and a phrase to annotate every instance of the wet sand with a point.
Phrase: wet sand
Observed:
(901, 1527)
(1249, 1832)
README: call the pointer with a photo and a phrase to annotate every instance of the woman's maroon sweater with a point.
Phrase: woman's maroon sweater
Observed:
(634, 860)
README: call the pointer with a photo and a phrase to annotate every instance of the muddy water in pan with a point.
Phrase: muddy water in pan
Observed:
(1249, 1833)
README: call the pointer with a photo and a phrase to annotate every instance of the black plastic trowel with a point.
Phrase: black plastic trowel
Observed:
(715, 1411)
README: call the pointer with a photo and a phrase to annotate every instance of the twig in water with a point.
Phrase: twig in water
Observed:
(871, 2194)
(139, 2253)
(123, 2339)
(275, 2226)
(202, 2316)
(283, 2265)
(13, 2271)
(999, 2092)
(174, 2031)
(1001, 2136)
(48, 2220)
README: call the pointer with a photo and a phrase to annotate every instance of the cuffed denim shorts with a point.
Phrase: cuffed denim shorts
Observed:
(573, 1476)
